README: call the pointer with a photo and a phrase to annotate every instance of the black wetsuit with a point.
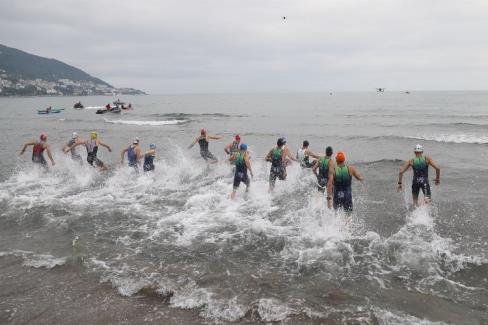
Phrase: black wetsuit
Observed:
(420, 177)
(148, 162)
(92, 149)
(204, 152)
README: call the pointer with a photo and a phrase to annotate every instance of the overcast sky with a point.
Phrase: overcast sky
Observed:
(178, 46)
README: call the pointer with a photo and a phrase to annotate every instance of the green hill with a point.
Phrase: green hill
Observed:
(22, 65)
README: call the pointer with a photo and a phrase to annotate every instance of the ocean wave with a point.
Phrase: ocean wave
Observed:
(148, 123)
(94, 107)
(191, 115)
(444, 125)
(176, 232)
(453, 138)
(36, 260)
(381, 161)
(446, 138)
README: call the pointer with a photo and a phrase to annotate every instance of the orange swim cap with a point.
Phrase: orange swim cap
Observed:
(340, 157)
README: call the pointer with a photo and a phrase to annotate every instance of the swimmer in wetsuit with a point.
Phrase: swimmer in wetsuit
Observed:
(279, 158)
(149, 158)
(339, 184)
(92, 150)
(233, 148)
(323, 165)
(241, 159)
(133, 154)
(38, 151)
(203, 141)
(75, 156)
(304, 154)
(420, 165)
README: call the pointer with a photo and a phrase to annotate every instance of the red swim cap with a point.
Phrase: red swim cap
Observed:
(203, 131)
(340, 157)
(238, 137)
(43, 137)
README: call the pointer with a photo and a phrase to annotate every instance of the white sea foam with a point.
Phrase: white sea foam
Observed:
(386, 317)
(95, 107)
(303, 236)
(143, 123)
(32, 259)
(44, 260)
(454, 138)
(272, 310)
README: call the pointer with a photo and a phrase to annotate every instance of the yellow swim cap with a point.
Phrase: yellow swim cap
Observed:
(93, 135)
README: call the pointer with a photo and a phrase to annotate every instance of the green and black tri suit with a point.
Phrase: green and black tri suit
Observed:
(323, 176)
(241, 170)
(277, 167)
(342, 188)
(420, 177)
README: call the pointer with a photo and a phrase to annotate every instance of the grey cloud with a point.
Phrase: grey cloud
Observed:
(218, 46)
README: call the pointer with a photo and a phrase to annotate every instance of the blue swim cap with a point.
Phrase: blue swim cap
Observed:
(152, 146)
(243, 147)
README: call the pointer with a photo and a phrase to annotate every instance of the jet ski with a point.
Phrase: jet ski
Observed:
(78, 105)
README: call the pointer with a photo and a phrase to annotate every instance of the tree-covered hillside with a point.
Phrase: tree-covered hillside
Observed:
(22, 65)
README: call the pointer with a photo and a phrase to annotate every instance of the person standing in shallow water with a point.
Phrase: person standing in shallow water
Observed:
(38, 151)
(203, 141)
(420, 165)
(339, 186)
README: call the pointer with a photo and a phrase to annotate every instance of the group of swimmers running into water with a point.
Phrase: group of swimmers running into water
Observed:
(133, 152)
(334, 176)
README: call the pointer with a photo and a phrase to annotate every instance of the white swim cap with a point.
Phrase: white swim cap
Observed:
(74, 135)
(418, 148)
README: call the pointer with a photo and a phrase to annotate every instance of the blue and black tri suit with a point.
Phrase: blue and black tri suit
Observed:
(277, 168)
(420, 177)
(132, 156)
(342, 188)
(149, 162)
(38, 154)
(241, 171)
(204, 152)
(323, 176)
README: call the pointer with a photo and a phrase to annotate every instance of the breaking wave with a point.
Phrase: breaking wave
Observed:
(149, 123)
(453, 138)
